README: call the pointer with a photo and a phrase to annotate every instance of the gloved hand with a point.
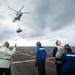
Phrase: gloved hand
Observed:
(36, 64)
(15, 45)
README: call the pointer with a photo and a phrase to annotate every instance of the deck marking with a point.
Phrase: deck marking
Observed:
(27, 54)
(15, 69)
(47, 59)
(22, 61)
(34, 56)
(50, 61)
(17, 62)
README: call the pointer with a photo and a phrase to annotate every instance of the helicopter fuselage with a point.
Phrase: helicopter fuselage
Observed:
(18, 16)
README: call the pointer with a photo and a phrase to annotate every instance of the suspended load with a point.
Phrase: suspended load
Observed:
(19, 30)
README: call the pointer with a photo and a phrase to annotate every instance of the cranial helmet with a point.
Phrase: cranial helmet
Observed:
(38, 43)
(6, 44)
(67, 47)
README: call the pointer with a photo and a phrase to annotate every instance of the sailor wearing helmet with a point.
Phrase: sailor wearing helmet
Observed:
(5, 55)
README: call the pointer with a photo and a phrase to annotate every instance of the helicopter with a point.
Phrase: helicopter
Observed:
(18, 14)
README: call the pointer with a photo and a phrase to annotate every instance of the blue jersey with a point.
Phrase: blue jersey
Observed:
(40, 54)
(68, 62)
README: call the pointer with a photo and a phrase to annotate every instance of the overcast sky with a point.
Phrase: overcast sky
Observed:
(48, 21)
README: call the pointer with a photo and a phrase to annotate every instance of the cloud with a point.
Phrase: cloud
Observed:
(47, 19)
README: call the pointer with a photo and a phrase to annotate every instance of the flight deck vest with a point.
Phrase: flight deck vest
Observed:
(69, 64)
(41, 54)
(59, 52)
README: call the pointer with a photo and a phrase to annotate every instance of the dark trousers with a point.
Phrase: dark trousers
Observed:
(5, 71)
(58, 68)
(67, 73)
(41, 68)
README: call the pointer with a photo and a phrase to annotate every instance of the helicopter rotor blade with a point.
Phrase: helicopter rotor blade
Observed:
(21, 8)
(11, 13)
(26, 12)
(12, 9)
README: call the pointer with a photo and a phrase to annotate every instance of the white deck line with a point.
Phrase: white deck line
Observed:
(16, 62)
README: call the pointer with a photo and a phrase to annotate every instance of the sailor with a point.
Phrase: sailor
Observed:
(5, 55)
(40, 58)
(68, 61)
(57, 53)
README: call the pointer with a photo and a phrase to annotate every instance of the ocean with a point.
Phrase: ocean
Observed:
(33, 48)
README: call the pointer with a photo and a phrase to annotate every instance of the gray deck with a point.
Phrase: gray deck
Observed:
(24, 64)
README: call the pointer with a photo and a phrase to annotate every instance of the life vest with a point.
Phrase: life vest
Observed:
(41, 54)
(69, 62)
(3, 53)
(59, 52)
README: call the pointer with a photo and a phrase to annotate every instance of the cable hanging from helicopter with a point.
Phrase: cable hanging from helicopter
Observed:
(19, 29)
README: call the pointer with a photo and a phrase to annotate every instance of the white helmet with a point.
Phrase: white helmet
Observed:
(6, 44)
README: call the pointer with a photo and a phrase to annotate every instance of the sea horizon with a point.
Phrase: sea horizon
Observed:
(34, 47)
